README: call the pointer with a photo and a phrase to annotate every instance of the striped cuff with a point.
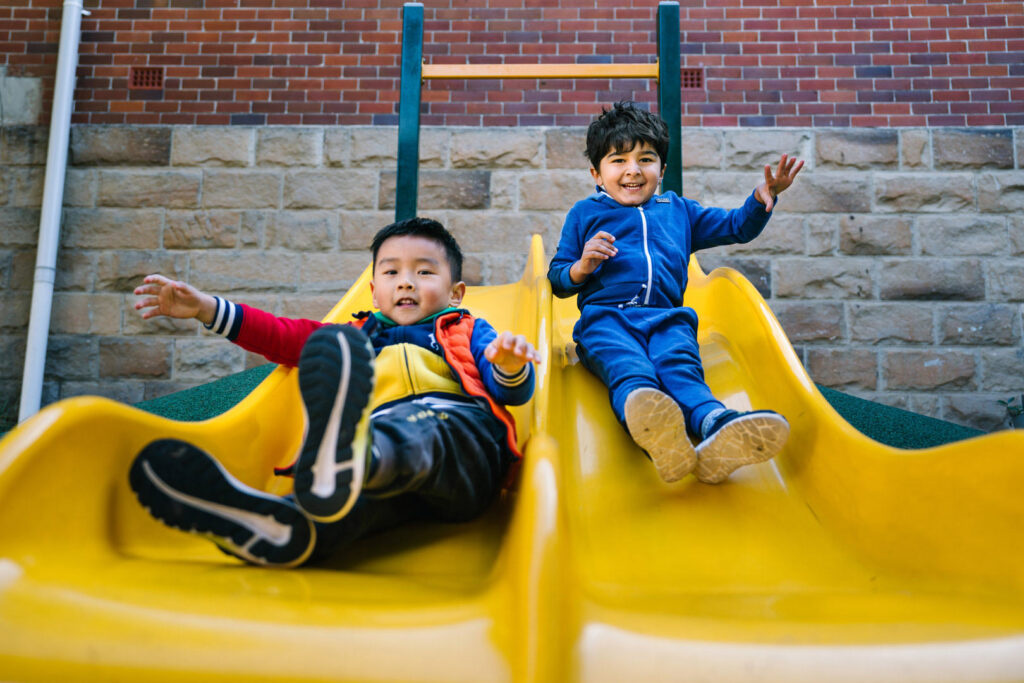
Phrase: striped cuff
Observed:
(226, 320)
(506, 380)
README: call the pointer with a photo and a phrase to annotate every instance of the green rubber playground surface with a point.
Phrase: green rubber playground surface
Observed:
(891, 426)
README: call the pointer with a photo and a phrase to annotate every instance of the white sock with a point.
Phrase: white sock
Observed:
(709, 420)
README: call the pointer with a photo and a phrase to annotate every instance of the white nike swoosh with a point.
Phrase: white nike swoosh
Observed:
(265, 526)
(324, 469)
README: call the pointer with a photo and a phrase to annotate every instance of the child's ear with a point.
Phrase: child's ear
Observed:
(596, 175)
(373, 294)
(455, 296)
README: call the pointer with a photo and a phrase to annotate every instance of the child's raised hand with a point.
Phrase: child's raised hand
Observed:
(510, 352)
(597, 250)
(775, 184)
(173, 299)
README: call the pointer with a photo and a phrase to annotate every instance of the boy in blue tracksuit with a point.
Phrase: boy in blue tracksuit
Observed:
(624, 252)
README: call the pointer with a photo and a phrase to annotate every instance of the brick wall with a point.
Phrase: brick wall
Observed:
(321, 62)
(894, 263)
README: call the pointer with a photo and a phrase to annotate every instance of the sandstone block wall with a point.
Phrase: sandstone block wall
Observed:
(894, 263)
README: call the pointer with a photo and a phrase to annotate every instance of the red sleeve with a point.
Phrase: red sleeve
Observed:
(279, 340)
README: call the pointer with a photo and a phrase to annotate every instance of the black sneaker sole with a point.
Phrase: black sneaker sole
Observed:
(187, 489)
(336, 382)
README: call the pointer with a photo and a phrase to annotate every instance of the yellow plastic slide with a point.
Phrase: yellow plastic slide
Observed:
(842, 560)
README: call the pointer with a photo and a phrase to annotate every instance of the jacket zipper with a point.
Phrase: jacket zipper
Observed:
(647, 254)
(408, 371)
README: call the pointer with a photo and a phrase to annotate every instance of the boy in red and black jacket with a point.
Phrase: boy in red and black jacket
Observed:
(405, 410)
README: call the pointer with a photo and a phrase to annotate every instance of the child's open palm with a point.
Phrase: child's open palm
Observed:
(776, 183)
(510, 352)
(169, 298)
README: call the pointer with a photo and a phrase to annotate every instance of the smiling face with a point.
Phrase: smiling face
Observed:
(412, 279)
(631, 178)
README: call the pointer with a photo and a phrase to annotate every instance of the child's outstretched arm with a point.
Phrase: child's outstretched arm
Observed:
(174, 299)
(775, 184)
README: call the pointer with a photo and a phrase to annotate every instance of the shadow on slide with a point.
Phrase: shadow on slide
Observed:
(842, 560)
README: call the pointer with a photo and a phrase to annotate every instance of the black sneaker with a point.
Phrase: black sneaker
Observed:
(735, 440)
(187, 489)
(336, 381)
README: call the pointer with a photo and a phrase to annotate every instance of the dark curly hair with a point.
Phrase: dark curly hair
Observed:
(621, 128)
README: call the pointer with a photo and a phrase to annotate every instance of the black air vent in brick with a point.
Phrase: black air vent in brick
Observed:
(693, 78)
(146, 78)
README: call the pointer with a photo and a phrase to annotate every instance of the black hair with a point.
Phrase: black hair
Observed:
(622, 128)
(422, 227)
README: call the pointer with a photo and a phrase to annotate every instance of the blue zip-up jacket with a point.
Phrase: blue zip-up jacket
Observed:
(654, 240)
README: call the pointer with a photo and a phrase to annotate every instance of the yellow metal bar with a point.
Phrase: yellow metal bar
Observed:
(440, 71)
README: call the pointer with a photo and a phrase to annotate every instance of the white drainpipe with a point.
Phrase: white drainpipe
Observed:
(49, 220)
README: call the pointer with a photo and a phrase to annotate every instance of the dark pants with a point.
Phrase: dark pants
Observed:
(635, 347)
(446, 461)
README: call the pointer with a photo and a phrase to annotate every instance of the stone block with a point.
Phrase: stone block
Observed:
(12, 349)
(885, 323)
(377, 147)
(933, 279)
(124, 391)
(980, 411)
(822, 192)
(71, 357)
(752, 149)
(359, 227)
(241, 189)
(157, 388)
(4, 184)
(507, 148)
(505, 190)
(929, 370)
(311, 306)
(123, 271)
(724, 189)
(822, 236)
(331, 273)
(15, 307)
(1004, 372)
(135, 358)
(783, 235)
(843, 368)
(442, 190)
(224, 272)
(203, 360)
(1005, 281)
(865, 234)
(857, 148)
(807, 321)
(75, 270)
(926, 193)
(502, 232)
(111, 228)
(212, 146)
(757, 270)
(1015, 224)
(331, 188)
(962, 235)
(134, 326)
(566, 148)
(553, 191)
(75, 313)
(19, 227)
(253, 228)
(823, 278)
(473, 269)
(289, 146)
(504, 268)
(214, 229)
(24, 145)
(25, 185)
(137, 188)
(80, 187)
(984, 324)
(702, 149)
(972, 148)
(93, 145)
(304, 231)
(925, 404)
(916, 149)
(6, 268)
(1001, 192)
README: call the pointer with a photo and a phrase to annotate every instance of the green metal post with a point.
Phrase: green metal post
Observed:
(409, 111)
(670, 93)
